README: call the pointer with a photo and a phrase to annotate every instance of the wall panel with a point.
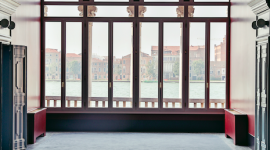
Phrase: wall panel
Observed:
(27, 32)
(242, 84)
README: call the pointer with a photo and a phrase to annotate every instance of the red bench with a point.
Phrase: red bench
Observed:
(236, 126)
(36, 124)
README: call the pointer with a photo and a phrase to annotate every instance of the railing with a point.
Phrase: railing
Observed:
(119, 102)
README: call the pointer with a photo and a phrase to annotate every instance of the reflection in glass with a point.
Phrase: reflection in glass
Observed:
(149, 65)
(53, 64)
(217, 65)
(155, 11)
(110, 11)
(73, 64)
(197, 65)
(122, 64)
(63, 11)
(98, 64)
(207, 11)
(172, 65)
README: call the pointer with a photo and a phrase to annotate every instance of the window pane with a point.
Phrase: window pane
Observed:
(155, 11)
(149, 65)
(218, 65)
(63, 11)
(197, 65)
(61, 0)
(53, 64)
(207, 11)
(172, 65)
(122, 65)
(161, 0)
(73, 64)
(98, 64)
(110, 11)
(211, 0)
(111, 0)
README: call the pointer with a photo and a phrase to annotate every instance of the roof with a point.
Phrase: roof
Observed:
(50, 50)
(72, 55)
(177, 48)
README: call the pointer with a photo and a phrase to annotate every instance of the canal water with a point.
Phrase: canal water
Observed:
(148, 90)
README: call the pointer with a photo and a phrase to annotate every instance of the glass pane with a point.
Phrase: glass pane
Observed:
(61, 0)
(155, 11)
(98, 64)
(53, 64)
(207, 11)
(111, 0)
(122, 65)
(63, 11)
(172, 65)
(211, 0)
(218, 65)
(73, 64)
(110, 11)
(149, 65)
(161, 0)
(197, 65)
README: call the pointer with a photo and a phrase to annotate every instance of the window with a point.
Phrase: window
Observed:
(217, 86)
(197, 81)
(102, 57)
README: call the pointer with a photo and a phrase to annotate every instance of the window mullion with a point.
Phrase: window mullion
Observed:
(85, 65)
(63, 65)
(160, 66)
(110, 66)
(185, 66)
(207, 63)
(136, 60)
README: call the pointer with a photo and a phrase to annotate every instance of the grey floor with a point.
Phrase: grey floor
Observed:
(133, 141)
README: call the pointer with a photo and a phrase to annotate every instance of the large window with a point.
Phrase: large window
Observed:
(139, 57)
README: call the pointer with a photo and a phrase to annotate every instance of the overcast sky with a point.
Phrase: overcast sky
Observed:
(123, 31)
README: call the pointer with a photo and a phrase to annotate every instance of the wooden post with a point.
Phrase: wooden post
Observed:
(124, 104)
(68, 103)
(166, 104)
(195, 105)
(215, 105)
(54, 103)
(117, 104)
(96, 104)
(75, 103)
(103, 104)
(48, 103)
(202, 105)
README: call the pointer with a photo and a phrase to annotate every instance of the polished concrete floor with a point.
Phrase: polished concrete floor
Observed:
(133, 141)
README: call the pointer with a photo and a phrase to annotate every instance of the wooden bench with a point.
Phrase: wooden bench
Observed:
(236, 126)
(36, 124)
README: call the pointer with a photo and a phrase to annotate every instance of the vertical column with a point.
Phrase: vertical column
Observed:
(130, 10)
(91, 12)
(180, 13)
(142, 10)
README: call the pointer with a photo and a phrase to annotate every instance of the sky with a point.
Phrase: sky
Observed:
(122, 38)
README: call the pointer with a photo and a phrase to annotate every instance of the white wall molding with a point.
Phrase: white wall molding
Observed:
(7, 8)
(258, 6)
